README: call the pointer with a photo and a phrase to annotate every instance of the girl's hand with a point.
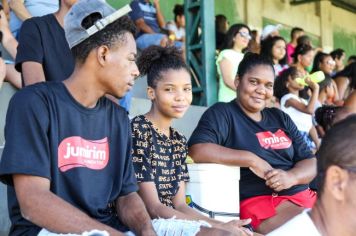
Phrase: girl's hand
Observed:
(313, 86)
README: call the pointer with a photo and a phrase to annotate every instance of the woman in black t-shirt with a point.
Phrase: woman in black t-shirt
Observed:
(276, 164)
(159, 151)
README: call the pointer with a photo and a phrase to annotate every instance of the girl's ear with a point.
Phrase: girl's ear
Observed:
(151, 93)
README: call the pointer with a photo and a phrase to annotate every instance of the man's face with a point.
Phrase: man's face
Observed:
(120, 69)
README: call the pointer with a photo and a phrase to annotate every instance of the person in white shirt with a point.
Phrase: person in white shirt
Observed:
(334, 211)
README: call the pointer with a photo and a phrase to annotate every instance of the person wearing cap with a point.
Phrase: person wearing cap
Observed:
(270, 30)
(334, 210)
(67, 157)
(43, 52)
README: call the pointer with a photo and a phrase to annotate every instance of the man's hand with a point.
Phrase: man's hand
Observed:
(279, 180)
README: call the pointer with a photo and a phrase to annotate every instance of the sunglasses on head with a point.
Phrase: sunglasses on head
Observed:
(245, 35)
(331, 62)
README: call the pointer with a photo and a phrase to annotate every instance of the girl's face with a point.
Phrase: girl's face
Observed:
(279, 50)
(292, 84)
(306, 59)
(181, 21)
(255, 88)
(242, 38)
(173, 93)
(327, 65)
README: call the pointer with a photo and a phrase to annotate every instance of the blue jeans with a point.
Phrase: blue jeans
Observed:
(147, 40)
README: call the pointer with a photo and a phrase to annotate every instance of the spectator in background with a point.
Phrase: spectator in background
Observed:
(43, 52)
(254, 45)
(221, 27)
(286, 89)
(10, 44)
(325, 63)
(346, 80)
(150, 22)
(237, 38)
(177, 27)
(339, 57)
(270, 30)
(295, 33)
(303, 57)
(274, 48)
(351, 59)
(333, 212)
(22, 10)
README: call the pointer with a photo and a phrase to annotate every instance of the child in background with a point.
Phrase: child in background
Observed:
(160, 151)
(274, 48)
(301, 111)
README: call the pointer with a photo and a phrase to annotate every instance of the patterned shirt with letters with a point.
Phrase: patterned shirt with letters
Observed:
(159, 159)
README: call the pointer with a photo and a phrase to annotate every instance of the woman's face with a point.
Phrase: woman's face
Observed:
(327, 65)
(242, 38)
(279, 50)
(306, 59)
(173, 93)
(255, 88)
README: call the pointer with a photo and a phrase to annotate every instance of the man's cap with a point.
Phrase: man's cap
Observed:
(268, 29)
(74, 31)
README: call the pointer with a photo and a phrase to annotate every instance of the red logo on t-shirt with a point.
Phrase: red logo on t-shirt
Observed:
(78, 152)
(278, 140)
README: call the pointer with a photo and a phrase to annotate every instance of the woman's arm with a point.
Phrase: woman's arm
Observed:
(226, 68)
(342, 83)
(214, 153)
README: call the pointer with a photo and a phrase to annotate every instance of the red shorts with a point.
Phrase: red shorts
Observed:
(263, 207)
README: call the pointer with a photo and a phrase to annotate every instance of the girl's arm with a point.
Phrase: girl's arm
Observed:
(309, 109)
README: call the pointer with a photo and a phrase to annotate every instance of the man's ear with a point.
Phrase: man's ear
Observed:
(151, 93)
(336, 180)
(102, 53)
(237, 81)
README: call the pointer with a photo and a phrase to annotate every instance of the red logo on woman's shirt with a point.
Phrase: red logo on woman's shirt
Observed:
(78, 152)
(277, 140)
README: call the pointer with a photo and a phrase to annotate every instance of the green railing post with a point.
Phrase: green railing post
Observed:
(200, 49)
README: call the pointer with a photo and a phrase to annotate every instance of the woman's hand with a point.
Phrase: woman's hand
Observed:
(279, 180)
(260, 167)
(236, 227)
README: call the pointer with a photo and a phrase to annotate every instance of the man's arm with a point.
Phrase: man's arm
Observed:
(18, 7)
(43, 208)
(160, 17)
(132, 212)
(32, 72)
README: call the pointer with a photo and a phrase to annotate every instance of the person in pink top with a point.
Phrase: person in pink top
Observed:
(294, 35)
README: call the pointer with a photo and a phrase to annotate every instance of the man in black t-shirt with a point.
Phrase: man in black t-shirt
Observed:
(67, 156)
